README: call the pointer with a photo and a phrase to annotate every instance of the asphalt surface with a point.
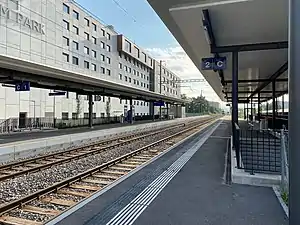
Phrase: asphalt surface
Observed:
(196, 195)
(26, 135)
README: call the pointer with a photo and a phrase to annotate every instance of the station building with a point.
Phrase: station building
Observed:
(63, 34)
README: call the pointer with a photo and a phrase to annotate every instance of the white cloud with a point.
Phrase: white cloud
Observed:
(178, 62)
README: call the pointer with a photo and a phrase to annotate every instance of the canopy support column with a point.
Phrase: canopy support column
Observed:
(294, 111)
(282, 105)
(90, 111)
(235, 68)
(273, 104)
(131, 112)
(258, 107)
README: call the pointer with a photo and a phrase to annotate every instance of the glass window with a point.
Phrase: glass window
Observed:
(120, 65)
(129, 79)
(75, 15)
(102, 45)
(108, 36)
(103, 70)
(86, 50)
(75, 30)
(87, 22)
(66, 8)
(87, 36)
(94, 40)
(108, 48)
(103, 32)
(66, 57)
(65, 115)
(86, 64)
(66, 24)
(94, 27)
(75, 45)
(94, 67)
(66, 41)
(103, 57)
(75, 60)
(108, 72)
(120, 76)
(108, 60)
(126, 78)
(127, 46)
(94, 53)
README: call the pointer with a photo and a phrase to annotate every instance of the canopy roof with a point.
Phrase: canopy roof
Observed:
(258, 26)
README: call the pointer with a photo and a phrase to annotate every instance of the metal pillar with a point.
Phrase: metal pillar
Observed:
(247, 112)
(294, 111)
(244, 110)
(282, 105)
(234, 90)
(267, 108)
(251, 110)
(167, 104)
(90, 110)
(131, 112)
(160, 70)
(258, 106)
(273, 104)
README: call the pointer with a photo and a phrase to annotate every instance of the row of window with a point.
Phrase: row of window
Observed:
(86, 64)
(135, 72)
(134, 61)
(137, 82)
(86, 36)
(128, 48)
(75, 14)
(65, 115)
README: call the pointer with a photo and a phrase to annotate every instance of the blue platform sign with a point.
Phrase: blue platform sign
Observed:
(159, 103)
(207, 63)
(213, 63)
(219, 63)
(23, 86)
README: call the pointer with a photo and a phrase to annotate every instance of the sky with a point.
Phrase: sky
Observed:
(139, 23)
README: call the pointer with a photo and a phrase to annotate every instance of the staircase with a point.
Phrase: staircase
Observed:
(260, 152)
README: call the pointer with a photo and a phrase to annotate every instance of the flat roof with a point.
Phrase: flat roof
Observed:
(43, 76)
(233, 23)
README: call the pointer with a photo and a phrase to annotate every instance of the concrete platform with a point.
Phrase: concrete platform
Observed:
(64, 139)
(187, 185)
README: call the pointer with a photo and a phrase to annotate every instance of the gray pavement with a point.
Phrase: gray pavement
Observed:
(196, 195)
(27, 135)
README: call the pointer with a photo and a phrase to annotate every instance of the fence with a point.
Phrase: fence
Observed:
(258, 151)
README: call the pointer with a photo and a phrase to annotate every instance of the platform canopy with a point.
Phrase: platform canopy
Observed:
(257, 29)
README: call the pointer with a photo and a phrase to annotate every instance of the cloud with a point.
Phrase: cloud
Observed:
(178, 62)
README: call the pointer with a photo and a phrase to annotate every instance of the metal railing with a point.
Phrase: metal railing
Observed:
(259, 150)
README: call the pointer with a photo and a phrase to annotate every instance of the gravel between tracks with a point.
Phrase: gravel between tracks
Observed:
(16, 188)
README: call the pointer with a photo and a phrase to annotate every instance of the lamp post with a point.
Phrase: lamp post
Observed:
(160, 83)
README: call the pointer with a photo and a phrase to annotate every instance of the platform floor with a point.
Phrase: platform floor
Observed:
(27, 135)
(197, 194)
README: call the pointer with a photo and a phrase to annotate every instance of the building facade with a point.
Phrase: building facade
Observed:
(62, 34)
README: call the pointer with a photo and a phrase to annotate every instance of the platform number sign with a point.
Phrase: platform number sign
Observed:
(22, 86)
(218, 63)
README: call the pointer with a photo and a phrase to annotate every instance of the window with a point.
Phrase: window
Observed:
(144, 57)
(108, 72)
(66, 57)
(66, 24)
(94, 67)
(74, 116)
(87, 22)
(108, 60)
(66, 8)
(65, 115)
(66, 41)
(120, 65)
(94, 27)
(94, 54)
(141, 84)
(103, 70)
(108, 48)
(94, 40)
(127, 46)
(129, 70)
(102, 45)
(75, 60)
(75, 15)
(86, 50)
(137, 52)
(87, 36)
(75, 45)
(103, 32)
(144, 85)
(126, 78)
(103, 57)
(86, 65)
(134, 72)
(97, 98)
(129, 79)
(75, 30)
(147, 85)
(102, 115)
(108, 36)
(126, 68)
(134, 81)
(120, 76)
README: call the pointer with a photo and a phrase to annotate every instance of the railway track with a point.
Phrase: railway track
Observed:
(12, 170)
(43, 205)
